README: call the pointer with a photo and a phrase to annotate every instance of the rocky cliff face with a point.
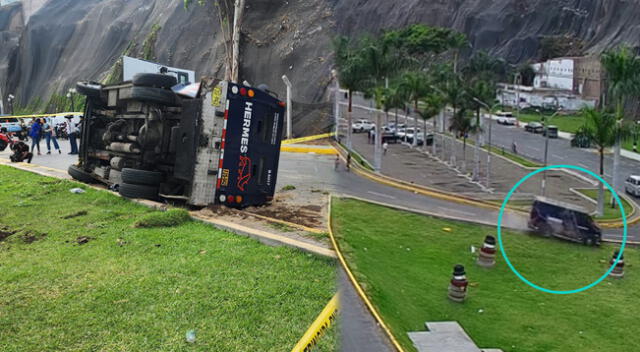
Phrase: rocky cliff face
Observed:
(68, 40)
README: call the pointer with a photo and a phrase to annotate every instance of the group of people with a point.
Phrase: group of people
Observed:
(42, 129)
(38, 130)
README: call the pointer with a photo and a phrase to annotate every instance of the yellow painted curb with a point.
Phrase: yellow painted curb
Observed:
(357, 286)
(308, 138)
(322, 323)
(308, 149)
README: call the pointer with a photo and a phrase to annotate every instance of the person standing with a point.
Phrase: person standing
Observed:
(50, 135)
(36, 135)
(385, 146)
(72, 131)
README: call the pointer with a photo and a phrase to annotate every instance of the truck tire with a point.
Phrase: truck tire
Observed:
(80, 175)
(154, 95)
(154, 80)
(128, 190)
(142, 177)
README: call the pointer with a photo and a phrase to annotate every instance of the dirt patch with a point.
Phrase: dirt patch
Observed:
(83, 240)
(5, 233)
(76, 214)
(307, 215)
(32, 236)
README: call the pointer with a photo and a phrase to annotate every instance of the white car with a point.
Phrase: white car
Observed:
(408, 133)
(632, 185)
(506, 118)
(363, 126)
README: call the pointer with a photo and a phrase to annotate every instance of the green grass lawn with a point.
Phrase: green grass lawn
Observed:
(609, 212)
(405, 261)
(568, 123)
(138, 283)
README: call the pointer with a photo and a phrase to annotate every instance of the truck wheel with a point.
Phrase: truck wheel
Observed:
(80, 175)
(142, 177)
(545, 229)
(128, 190)
(154, 95)
(588, 241)
(154, 80)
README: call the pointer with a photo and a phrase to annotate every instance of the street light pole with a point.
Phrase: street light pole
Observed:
(10, 99)
(336, 103)
(288, 84)
(546, 149)
(490, 109)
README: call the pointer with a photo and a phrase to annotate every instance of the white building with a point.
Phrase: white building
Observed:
(555, 74)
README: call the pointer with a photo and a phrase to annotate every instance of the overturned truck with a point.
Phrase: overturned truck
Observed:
(215, 142)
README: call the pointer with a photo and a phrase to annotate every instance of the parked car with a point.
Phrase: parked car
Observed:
(552, 130)
(581, 140)
(362, 126)
(632, 185)
(387, 135)
(12, 124)
(394, 128)
(534, 127)
(506, 118)
(550, 217)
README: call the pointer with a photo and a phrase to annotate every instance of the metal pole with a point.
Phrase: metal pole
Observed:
(336, 103)
(288, 84)
(546, 151)
(1, 102)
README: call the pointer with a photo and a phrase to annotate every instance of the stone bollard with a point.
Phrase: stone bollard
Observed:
(618, 270)
(487, 257)
(458, 285)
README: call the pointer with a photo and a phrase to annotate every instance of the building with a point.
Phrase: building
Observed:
(569, 83)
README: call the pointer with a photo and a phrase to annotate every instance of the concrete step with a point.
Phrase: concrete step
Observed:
(445, 337)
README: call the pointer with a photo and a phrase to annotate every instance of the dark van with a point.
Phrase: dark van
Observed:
(554, 218)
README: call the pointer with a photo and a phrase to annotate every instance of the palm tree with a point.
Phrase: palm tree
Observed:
(600, 127)
(433, 104)
(351, 75)
(416, 87)
(461, 125)
(483, 91)
(623, 74)
(457, 42)
(455, 95)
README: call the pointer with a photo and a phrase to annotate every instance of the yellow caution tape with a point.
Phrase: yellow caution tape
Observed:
(308, 149)
(319, 327)
(307, 139)
(41, 115)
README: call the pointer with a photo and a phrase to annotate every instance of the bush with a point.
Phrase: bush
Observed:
(169, 218)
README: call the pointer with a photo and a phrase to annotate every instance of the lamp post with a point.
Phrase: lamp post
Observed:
(490, 109)
(546, 147)
(10, 99)
(289, 87)
(70, 94)
(336, 103)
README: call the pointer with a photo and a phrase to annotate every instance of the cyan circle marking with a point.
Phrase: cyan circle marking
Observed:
(504, 253)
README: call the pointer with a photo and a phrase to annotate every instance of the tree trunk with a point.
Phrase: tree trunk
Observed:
(464, 153)
(414, 142)
(600, 207)
(616, 169)
(435, 134)
(350, 122)
(424, 135)
(377, 150)
(237, 24)
(396, 119)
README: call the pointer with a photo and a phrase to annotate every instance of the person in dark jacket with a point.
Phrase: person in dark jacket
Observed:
(36, 135)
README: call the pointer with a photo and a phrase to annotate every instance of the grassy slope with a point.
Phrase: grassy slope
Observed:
(609, 213)
(141, 289)
(405, 263)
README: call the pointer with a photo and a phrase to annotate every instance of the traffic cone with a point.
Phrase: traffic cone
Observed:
(458, 285)
(618, 270)
(487, 257)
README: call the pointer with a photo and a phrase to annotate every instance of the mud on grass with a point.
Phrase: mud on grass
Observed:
(141, 289)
